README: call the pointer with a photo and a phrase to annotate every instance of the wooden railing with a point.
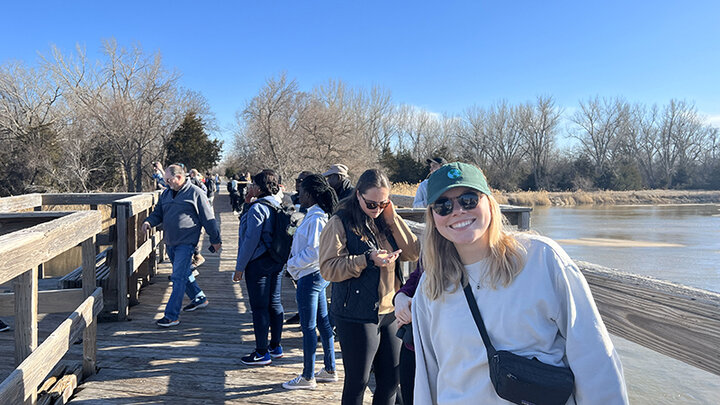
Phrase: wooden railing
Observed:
(133, 255)
(21, 252)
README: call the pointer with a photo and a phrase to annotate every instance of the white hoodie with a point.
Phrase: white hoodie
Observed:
(304, 253)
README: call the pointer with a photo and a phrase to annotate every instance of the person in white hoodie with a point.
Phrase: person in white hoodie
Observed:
(533, 299)
(320, 199)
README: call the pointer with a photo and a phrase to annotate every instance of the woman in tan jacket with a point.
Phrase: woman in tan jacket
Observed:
(359, 252)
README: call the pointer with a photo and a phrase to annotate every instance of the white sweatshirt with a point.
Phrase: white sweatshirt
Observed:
(304, 253)
(547, 312)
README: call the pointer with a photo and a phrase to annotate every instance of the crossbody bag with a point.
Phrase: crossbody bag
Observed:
(518, 379)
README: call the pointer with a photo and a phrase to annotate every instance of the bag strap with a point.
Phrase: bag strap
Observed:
(470, 297)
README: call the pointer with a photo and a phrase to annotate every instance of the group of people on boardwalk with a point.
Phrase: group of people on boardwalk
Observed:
(481, 301)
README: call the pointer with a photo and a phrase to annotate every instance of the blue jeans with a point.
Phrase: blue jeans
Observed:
(312, 307)
(182, 279)
(263, 279)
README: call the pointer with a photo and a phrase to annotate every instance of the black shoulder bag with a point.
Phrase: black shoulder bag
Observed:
(518, 379)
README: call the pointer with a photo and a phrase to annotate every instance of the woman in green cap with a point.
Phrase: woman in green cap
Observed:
(533, 300)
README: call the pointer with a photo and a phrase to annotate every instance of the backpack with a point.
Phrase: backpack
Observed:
(231, 186)
(210, 184)
(285, 222)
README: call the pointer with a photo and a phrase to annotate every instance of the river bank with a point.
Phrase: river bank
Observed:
(638, 197)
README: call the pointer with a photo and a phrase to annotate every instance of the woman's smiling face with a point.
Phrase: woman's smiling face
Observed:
(465, 227)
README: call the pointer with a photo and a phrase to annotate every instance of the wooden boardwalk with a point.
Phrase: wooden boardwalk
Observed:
(197, 361)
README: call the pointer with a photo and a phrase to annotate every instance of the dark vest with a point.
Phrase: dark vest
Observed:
(356, 299)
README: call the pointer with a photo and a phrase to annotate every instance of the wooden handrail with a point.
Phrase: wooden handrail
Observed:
(678, 321)
(49, 302)
(83, 198)
(139, 256)
(23, 381)
(20, 202)
(27, 248)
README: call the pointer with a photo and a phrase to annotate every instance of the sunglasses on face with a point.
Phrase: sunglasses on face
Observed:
(371, 205)
(444, 206)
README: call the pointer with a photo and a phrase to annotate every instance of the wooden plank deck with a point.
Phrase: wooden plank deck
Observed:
(197, 361)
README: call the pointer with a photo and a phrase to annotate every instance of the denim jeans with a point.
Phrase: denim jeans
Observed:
(263, 279)
(182, 279)
(312, 307)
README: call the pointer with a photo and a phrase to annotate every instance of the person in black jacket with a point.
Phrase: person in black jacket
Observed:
(337, 177)
(359, 248)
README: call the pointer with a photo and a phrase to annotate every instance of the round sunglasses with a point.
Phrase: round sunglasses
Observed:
(443, 206)
(371, 205)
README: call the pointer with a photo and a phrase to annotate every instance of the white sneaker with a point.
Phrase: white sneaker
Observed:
(326, 376)
(300, 383)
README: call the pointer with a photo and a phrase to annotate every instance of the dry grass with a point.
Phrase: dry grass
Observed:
(544, 198)
(573, 198)
(405, 188)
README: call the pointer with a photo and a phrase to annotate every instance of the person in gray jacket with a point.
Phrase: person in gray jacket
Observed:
(183, 209)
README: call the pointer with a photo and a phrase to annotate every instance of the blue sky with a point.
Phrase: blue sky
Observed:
(441, 56)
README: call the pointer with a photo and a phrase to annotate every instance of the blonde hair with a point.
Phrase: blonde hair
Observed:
(445, 271)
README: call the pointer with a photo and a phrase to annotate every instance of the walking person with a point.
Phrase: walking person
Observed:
(261, 272)
(210, 184)
(319, 199)
(533, 302)
(359, 248)
(182, 210)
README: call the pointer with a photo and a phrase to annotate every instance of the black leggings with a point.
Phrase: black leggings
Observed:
(364, 345)
(407, 375)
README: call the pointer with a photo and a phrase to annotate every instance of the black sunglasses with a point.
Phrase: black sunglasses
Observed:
(371, 205)
(443, 206)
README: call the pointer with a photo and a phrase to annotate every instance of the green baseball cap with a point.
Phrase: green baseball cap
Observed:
(453, 175)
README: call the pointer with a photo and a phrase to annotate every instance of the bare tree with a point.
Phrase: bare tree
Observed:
(29, 125)
(132, 98)
(683, 137)
(505, 145)
(538, 126)
(600, 125)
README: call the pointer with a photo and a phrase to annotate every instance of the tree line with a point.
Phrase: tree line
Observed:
(618, 144)
(75, 125)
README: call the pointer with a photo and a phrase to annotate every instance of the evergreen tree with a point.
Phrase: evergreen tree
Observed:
(192, 146)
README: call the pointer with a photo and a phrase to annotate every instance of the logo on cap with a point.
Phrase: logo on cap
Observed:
(454, 174)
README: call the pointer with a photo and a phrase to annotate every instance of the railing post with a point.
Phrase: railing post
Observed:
(89, 279)
(26, 319)
(524, 221)
(154, 235)
(132, 246)
(121, 224)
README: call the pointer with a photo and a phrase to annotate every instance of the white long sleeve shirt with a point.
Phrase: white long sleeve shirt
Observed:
(547, 312)
(304, 252)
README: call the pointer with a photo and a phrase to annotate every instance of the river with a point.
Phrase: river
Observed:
(678, 243)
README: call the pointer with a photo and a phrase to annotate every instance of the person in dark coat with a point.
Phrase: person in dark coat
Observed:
(337, 177)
